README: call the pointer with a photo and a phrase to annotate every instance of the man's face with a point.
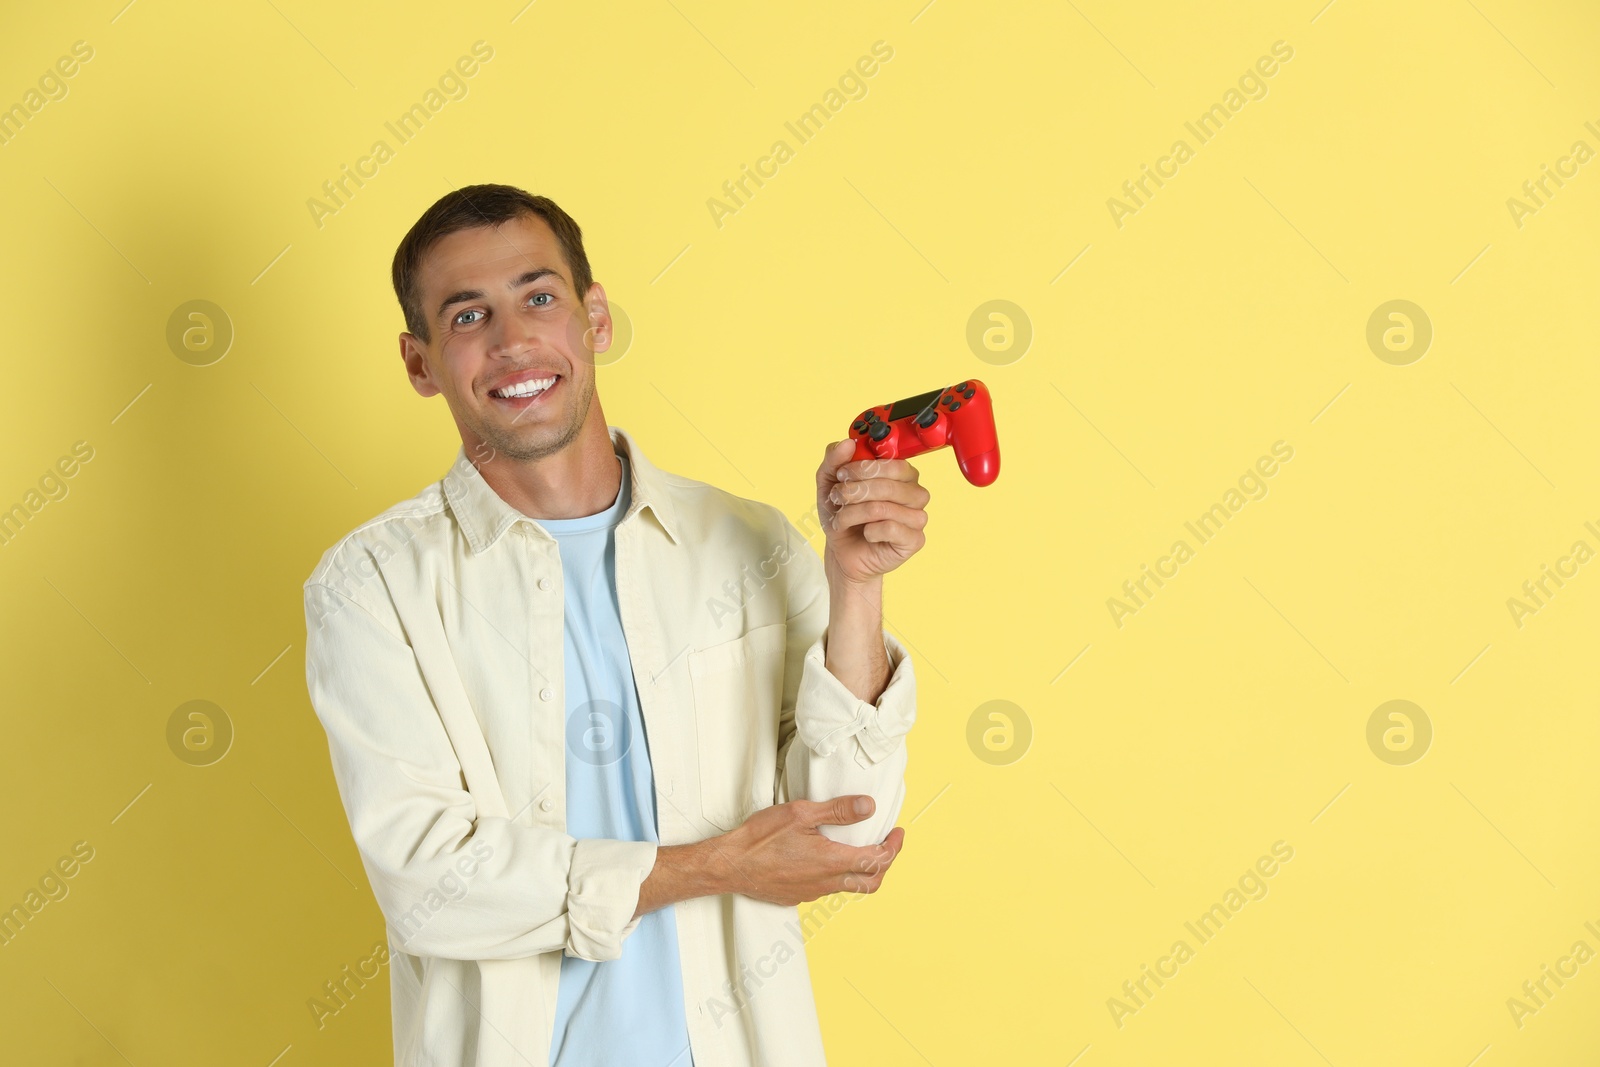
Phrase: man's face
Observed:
(511, 345)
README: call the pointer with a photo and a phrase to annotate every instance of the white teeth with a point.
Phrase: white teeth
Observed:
(528, 388)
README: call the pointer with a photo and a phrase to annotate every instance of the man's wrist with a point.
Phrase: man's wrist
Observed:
(714, 865)
(854, 651)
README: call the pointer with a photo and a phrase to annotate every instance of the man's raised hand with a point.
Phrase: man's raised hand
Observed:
(873, 515)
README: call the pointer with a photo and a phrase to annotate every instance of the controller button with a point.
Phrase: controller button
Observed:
(880, 431)
(859, 425)
(955, 405)
(947, 400)
(964, 387)
(969, 393)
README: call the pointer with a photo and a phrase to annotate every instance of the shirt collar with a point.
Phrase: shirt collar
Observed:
(484, 516)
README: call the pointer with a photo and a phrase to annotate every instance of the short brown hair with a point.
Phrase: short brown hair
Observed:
(468, 207)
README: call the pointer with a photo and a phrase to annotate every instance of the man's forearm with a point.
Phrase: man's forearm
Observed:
(683, 872)
(854, 653)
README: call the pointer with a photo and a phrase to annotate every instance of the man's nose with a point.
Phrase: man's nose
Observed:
(513, 336)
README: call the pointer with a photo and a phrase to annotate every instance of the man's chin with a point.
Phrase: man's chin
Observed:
(523, 443)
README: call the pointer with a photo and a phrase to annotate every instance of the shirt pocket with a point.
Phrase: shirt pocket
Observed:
(738, 695)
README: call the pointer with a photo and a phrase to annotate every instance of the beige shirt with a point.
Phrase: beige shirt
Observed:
(434, 660)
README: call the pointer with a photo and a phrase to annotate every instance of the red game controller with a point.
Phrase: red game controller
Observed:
(961, 416)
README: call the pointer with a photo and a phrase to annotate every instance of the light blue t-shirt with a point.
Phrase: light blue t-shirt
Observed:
(628, 1010)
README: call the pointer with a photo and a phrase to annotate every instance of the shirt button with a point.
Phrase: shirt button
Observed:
(546, 804)
(547, 693)
(544, 583)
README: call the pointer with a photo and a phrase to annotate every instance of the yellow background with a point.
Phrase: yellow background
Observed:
(1222, 317)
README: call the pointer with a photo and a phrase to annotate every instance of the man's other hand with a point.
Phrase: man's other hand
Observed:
(778, 854)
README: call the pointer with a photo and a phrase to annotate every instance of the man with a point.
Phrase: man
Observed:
(564, 689)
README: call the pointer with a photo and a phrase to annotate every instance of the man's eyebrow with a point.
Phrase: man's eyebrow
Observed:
(477, 294)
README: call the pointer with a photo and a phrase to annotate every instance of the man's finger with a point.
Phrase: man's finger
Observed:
(899, 469)
(868, 872)
(884, 511)
(907, 542)
(876, 858)
(909, 493)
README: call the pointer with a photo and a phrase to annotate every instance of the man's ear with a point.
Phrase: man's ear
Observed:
(415, 356)
(597, 334)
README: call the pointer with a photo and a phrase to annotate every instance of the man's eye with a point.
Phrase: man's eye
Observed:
(461, 318)
(541, 299)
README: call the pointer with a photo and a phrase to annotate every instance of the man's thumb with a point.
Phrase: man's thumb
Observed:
(852, 809)
(836, 456)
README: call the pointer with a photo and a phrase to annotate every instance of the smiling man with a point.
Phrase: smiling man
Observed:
(590, 762)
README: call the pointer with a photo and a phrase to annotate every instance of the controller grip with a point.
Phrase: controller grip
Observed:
(981, 469)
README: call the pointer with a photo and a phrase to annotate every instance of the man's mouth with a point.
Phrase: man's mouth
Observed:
(521, 394)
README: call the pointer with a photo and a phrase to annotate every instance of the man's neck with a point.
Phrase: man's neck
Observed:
(582, 479)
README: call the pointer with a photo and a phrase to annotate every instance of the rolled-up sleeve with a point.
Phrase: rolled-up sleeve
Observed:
(831, 742)
(828, 714)
(602, 893)
(451, 881)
